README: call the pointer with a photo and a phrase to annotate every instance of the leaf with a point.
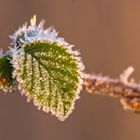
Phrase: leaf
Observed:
(6, 69)
(49, 74)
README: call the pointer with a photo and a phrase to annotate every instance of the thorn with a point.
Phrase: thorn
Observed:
(126, 74)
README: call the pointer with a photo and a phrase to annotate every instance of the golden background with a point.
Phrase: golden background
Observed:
(107, 33)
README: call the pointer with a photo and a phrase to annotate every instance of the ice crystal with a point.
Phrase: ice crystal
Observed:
(33, 31)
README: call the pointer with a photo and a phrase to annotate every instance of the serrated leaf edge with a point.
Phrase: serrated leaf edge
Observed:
(80, 65)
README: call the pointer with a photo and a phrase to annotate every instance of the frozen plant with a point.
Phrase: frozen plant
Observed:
(50, 72)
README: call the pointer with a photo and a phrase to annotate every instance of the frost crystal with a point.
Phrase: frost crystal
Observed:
(33, 31)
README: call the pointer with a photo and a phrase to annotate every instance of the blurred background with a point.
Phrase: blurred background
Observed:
(107, 33)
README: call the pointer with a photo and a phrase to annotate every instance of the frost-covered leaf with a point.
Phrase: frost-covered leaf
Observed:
(6, 70)
(50, 74)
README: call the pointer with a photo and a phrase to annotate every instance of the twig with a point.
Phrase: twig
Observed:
(127, 91)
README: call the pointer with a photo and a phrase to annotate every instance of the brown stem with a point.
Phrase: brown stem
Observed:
(129, 92)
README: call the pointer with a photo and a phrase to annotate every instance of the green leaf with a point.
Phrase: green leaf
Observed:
(49, 74)
(6, 69)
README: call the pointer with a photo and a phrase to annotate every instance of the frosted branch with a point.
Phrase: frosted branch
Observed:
(127, 91)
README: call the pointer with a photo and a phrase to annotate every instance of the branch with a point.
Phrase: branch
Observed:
(127, 91)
